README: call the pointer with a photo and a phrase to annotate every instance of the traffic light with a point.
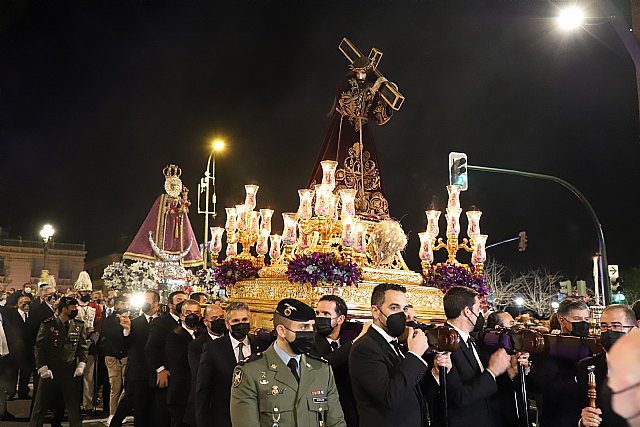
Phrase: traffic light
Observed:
(522, 241)
(458, 170)
(616, 290)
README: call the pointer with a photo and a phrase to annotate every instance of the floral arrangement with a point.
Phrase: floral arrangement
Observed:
(446, 275)
(318, 268)
(114, 275)
(205, 279)
(230, 271)
(135, 277)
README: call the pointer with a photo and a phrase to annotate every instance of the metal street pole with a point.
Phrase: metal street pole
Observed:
(604, 276)
(206, 183)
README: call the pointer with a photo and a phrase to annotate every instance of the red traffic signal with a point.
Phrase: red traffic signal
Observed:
(522, 241)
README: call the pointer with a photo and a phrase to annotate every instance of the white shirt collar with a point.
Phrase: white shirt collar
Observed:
(384, 334)
(235, 342)
(329, 340)
(214, 337)
(176, 318)
(22, 313)
(192, 333)
(464, 335)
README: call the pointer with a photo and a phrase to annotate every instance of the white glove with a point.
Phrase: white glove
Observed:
(45, 372)
(79, 369)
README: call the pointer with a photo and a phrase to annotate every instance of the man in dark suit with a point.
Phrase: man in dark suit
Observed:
(9, 356)
(214, 328)
(472, 379)
(333, 342)
(616, 321)
(219, 358)
(385, 379)
(140, 379)
(24, 362)
(177, 350)
(554, 378)
(156, 355)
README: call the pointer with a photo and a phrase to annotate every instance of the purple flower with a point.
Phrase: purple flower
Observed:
(323, 268)
(446, 275)
(232, 270)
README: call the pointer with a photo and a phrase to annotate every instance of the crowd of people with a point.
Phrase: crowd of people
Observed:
(190, 360)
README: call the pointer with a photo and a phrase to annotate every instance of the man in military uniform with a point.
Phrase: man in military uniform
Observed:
(61, 356)
(284, 386)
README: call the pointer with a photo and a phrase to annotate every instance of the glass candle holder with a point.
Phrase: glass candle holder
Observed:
(347, 200)
(262, 246)
(426, 251)
(215, 245)
(361, 239)
(274, 252)
(454, 196)
(348, 231)
(254, 222)
(323, 195)
(305, 210)
(304, 241)
(289, 231)
(473, 226)
(232, 249)
(265, 221)
(479, 254)
(333, 207)
(241, 217)
(250, 197)
(329, 173)
(231, 223)
(433, 216)
(453, 221)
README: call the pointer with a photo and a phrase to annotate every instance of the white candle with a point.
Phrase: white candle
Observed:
(347, 199)
(454, 196)
(453, 221)
(426, 252)
(289, 232)
(231, 223)
(473, 227)
(329, 173)
(274, 252)
(305, 210)
(348, 235)
(432, 222)
(596, 279)
(250, 197)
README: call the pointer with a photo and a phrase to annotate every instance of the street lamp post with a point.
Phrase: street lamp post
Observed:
(208, 186)
(46, 233)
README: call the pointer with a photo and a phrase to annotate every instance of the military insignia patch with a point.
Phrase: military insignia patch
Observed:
(237, 377)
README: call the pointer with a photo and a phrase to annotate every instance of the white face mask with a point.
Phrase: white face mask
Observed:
(27, 290)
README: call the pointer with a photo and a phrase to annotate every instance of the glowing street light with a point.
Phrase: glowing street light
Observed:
(571, 18)
(519, 301)
(46, 233)
(208, 185)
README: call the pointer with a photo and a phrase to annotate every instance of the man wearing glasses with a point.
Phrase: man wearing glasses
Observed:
(616, 321)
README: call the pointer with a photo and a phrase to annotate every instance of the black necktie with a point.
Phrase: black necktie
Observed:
(334, 345)
(396, 346)
(240, 353)
(293, 365)
(471, 344)
(66, 325)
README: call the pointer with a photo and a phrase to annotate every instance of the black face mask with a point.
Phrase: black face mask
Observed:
(303, 342)
(146, 307)
(191, 320)
(179, 308)
(580, 329)
(26, 306)
(323, 325)
(396, 323)
(73, 314)
(85, 298)
(478, 326)
(609, 338)
(218, 326)
(52, 298)
(98, 301)
(240, 330)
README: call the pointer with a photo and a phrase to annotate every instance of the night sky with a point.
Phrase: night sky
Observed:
(96, 97)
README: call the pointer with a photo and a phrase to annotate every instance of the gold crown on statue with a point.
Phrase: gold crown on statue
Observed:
(172, 171)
